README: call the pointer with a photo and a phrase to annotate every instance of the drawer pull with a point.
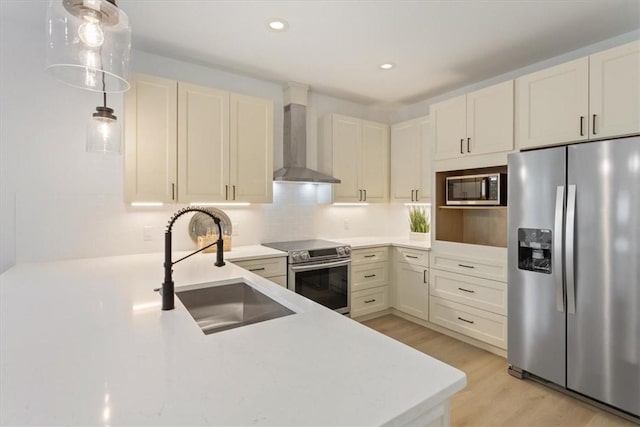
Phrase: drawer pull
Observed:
(370, 300)
(411, 256)
(369, 276)
(370, 256)
(467, 290)
(257, 269)
(465, 320)
(465, 266)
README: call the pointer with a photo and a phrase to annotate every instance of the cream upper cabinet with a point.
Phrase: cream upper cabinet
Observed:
(553, 105)
(614, 91)
(251, 149)
(356, 152)
(203, 143)
(150, 135)
(411, 161)
(589, 98)
(191, 144)
(479, 122)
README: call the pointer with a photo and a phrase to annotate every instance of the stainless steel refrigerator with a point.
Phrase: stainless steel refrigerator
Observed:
(574, 269)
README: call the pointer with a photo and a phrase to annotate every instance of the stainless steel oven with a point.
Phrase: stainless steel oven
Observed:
(319, 270)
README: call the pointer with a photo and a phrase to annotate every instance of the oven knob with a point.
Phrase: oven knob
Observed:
(341, 251)
(295, 256)
(305, 256)
(347, 250)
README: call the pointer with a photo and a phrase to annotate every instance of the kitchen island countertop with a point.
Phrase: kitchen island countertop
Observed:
(84, 342)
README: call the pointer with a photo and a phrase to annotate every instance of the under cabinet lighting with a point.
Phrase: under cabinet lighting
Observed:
(350, 204)
(387, 66)
(278, 25)
(417, 204)
(228, 204)
(147, 204)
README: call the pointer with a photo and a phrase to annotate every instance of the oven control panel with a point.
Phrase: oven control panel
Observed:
(339, 252)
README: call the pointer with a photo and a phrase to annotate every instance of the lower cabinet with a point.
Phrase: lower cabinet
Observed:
(469, 303)
(412, 282)
(369, 280)
(274, 269)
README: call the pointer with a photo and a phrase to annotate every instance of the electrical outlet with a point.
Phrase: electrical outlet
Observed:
(147, 233)
(346, 224)
(236, 229)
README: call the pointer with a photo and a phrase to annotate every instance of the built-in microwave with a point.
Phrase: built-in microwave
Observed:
(485, 189)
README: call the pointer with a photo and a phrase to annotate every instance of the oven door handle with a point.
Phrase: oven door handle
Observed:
(319, 266)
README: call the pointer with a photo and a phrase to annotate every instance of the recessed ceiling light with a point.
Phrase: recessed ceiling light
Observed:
(278, 24)
(387, 66)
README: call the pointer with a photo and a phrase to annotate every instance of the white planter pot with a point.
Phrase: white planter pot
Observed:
(422, 237)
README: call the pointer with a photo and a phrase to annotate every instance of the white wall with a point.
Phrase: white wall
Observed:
(57, 201)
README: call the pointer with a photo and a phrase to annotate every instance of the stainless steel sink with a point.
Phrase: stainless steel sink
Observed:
(218, 308)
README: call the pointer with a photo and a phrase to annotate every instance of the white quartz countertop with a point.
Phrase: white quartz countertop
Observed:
(370, 242)
(84, 342)
(240, 253)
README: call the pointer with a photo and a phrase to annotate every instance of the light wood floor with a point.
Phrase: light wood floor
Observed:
(492, 397)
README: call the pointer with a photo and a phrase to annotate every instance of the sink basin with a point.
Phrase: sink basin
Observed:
(218, 308)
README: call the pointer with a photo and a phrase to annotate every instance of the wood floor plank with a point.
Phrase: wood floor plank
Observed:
(492, 396)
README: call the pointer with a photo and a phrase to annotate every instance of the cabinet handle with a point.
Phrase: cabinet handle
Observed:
(173, 191)
(416, 195)
(581, 125)
(465, 320)
(369, 256)
(467, 290)
(465, 266)
(369, 276)
(412, 195)
(226, 192)
(257, 269)
(370, 300)
(593, 125)
(234, 192)
(424, 276)
(468, 141)
(360, 196)
(411, 256)
(365, 195)
(461, 142)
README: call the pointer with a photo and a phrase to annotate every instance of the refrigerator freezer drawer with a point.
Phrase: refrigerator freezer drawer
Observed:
(473, 291)
(479, 324)
(493, 269)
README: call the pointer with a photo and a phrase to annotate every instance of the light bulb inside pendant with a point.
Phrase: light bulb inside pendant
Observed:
(91, 34)
(103, 131)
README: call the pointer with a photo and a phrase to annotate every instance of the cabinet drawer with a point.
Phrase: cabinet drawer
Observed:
(369, 301)
(280, 280)
(268, 267)
(363, 256)
(494, 269)
(479, 324)
(413, 256)
(369, 276)
(476, 292)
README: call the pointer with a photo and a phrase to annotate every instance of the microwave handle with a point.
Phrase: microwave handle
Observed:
(484, 188)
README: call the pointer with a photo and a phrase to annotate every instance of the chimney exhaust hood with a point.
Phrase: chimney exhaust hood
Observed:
(294, 147)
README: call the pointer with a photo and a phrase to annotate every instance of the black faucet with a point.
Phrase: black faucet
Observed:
(167, 285)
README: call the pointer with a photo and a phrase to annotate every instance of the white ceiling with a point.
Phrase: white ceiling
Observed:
(337, 46)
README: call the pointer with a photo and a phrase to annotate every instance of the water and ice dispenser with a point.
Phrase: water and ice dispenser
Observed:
(534, 250)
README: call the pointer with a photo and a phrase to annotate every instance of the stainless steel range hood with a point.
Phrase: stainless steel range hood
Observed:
(294, 147)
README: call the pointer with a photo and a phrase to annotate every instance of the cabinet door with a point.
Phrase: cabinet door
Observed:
(203, 143)
(346, 139)
(450, 118)
(251, 150)
(614, 96)
(412, 290)
(552, 105)
(150, 140)
(406, 159)
(490, 119)
(426, 157)
(374, 162)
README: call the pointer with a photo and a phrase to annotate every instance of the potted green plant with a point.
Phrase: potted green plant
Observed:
(419, 224)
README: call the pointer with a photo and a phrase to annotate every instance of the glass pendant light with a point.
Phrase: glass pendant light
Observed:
(103, 131)
(88, 44)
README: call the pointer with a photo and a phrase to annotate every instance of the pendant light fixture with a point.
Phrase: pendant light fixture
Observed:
(103, 131)
(88, 44)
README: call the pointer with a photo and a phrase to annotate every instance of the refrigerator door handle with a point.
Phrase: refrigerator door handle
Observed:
(557, 248)
(569, 249)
